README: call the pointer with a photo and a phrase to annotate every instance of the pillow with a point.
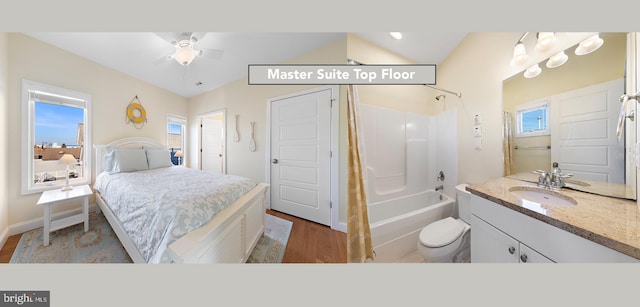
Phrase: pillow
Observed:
(129, 160)
(109, 156)
(158, 158)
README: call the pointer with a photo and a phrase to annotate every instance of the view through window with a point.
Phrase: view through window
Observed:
(55, 123)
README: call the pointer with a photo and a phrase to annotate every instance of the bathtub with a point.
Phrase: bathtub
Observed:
(396, 223)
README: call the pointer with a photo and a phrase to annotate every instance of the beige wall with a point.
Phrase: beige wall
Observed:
(111, 92)
(406, 98)
(476, 68)
(4, 175)
(249, 102)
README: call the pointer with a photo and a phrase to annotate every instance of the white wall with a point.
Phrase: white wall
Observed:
(444, 132)
(4, 151)
(111, 92)
(249, 102)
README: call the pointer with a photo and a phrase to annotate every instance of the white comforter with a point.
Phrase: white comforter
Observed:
(157, 207)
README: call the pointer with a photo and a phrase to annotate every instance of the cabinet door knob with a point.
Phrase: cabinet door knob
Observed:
(512, 250)
(275, 161)
(523, 257)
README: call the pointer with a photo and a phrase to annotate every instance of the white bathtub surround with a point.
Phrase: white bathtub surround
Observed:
(403, 154)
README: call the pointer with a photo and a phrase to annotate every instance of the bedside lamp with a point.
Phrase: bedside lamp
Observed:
(67, 159)
(178, 154)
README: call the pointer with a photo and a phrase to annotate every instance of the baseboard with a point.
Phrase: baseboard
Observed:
(23, 227)
(3, 237)
(340, 227)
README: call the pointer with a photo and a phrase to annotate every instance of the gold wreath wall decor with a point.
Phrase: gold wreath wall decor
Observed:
(136, 113)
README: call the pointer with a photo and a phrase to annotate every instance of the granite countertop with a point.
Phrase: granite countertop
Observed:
(612, 222)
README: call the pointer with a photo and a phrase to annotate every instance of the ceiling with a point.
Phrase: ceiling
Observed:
(420, 47)
(144, 55)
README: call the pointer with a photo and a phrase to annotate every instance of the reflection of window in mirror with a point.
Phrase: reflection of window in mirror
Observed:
(532, 120)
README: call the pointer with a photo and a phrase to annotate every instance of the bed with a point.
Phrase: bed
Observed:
(173, 214)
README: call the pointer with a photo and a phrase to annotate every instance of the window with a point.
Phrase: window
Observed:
(55, 121)
(533, 120)
(175, 138)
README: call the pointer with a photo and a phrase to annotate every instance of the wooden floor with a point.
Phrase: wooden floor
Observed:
(309, 242)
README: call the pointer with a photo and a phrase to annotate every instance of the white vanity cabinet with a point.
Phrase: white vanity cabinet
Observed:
(497, 230)
(489, 244)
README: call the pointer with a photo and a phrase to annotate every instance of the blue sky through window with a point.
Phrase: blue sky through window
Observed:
(175, 129)
(57, 123)
(534, 120)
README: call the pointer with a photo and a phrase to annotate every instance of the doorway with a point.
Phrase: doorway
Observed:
(302, 168)
(213, 141)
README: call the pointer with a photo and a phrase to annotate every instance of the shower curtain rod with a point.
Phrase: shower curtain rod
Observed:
(443, 90)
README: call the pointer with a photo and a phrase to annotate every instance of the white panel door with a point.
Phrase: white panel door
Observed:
(212, 143)
(301, 156)
(583, 132)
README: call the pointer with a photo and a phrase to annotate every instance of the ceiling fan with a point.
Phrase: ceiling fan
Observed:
(188, 47)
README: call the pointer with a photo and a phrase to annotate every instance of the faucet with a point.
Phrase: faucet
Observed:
(553, 180)
(439, 188)
(544, 180)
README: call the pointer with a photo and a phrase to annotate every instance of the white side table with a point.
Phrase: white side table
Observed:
(57, 196)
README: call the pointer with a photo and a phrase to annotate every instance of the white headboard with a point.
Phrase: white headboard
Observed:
(123, 143)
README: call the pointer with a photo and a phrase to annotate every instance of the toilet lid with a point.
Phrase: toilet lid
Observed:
(441, 233)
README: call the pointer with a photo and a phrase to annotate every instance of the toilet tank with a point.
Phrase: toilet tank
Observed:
(463, 198)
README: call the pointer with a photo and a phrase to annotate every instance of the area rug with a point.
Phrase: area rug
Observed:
(270, 248)
(100, 244)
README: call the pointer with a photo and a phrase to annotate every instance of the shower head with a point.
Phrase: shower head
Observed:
(440, 96)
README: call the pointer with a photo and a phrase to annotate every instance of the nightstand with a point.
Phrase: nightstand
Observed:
(52, 197)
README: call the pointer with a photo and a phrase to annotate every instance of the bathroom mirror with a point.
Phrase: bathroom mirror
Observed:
(564, 100)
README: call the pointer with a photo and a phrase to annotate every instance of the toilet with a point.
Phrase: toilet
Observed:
(448, 239)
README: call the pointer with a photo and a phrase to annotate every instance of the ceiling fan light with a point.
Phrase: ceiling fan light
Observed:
(589, 45)
(532, 72)
(519, 54)
(396, 35)
(546, 40)
(557, 60)
(184, 55)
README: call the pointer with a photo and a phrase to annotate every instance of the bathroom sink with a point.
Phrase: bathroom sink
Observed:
(539, 196)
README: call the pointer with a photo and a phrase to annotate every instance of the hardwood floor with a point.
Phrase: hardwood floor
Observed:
(7, 250)
(309, 242)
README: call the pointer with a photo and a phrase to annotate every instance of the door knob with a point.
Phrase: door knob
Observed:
(275, 161)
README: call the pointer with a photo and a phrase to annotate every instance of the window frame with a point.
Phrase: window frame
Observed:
(545, 106)
(61, 96)
(182, 121)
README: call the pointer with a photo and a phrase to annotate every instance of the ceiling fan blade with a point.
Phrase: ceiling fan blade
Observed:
(162, 60)
(198, 36)
(212, 53)
(169, 37)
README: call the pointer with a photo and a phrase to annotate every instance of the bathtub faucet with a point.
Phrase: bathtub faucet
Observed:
(439, 188)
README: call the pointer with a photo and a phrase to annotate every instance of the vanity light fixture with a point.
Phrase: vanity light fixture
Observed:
(589, 45)
(557, 60)
(546, 40)
(519, 52)
(396, 35)
(533, 71)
